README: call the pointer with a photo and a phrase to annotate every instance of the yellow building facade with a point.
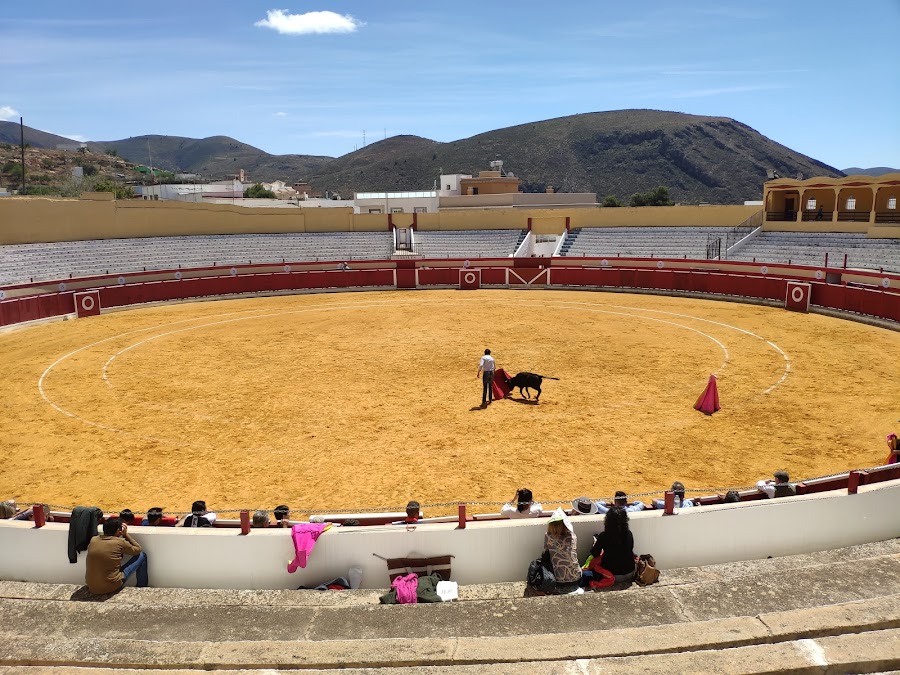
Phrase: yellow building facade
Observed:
(849, 204)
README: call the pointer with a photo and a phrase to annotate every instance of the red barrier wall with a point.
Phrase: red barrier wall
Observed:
(868, 300)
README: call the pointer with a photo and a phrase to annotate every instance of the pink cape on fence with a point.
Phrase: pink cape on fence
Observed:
(709, 400)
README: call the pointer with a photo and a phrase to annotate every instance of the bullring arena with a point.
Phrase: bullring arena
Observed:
(363, 401)
(346, 389)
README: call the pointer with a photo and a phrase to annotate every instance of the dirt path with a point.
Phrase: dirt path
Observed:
(368, 399)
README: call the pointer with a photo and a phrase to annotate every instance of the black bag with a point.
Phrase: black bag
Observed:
(540, 574)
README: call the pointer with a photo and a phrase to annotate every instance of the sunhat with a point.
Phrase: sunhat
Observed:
(558, 515)
(584, 505)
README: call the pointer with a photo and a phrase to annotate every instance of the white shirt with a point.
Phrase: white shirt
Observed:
(512, 511)
(487, 363)
(766, 486)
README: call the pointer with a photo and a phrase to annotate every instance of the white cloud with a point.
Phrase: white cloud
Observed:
(281, 114)
(311, 22)
(75, 137)
(7, 112)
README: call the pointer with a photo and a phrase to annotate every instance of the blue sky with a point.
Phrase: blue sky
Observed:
(309, 77)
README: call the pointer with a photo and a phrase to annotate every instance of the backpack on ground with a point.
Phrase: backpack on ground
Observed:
(540, 575)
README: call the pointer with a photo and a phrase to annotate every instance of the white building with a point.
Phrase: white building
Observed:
(187, 192)
(396, 202)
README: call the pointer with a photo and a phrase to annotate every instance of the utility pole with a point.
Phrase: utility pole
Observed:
(22, 191)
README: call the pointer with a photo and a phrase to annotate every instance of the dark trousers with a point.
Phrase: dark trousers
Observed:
(138, 564)
(487, 391)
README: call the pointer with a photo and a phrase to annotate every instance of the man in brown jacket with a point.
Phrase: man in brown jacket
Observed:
(104, 571)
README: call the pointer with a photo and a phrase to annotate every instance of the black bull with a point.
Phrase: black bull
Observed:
(526, 381)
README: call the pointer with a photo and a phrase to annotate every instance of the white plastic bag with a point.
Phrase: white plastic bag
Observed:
(448, 590)
(355, 577)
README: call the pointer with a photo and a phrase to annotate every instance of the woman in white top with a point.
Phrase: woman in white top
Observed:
(522, 506)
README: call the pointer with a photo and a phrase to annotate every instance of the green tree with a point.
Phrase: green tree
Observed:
(610, 200)
(120, 191)
(112, 152)
(659, 197)
(257, 191)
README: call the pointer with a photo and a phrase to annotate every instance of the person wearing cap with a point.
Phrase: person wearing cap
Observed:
(413, 514)
(583, 506)
(621, 501)
(561, 543)
(486, 368)
(522, 506)
(680, 501)
(780, 487)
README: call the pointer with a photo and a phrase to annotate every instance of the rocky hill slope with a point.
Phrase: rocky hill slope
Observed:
(700, 159)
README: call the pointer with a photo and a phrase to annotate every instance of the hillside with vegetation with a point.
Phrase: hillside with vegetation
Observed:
(619, 153)
(700, 159)
(216, 157)
(51, 172)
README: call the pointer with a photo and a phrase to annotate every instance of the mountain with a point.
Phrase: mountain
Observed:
(700, 159)
(9, 133)
(213, 157)
(874, 171)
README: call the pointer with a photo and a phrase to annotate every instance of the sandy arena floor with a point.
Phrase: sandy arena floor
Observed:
(368, 399)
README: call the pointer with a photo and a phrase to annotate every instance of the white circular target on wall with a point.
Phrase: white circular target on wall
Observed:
(764, 269)
(178, 276)
(234, 271)
(660, 265)
(87, 302)
(798, 293)
(469, 277)
(886, 282)
(287, 268)
(121, 281)
(62, 287)
(819, 274)
(604, 263)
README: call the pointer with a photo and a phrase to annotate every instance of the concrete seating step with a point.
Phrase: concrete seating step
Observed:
(768, 602)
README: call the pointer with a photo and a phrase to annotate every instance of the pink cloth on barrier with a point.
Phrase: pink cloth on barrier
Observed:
(407, 587)
(304, 536)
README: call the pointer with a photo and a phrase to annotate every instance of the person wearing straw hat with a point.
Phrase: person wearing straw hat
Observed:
(561, 543)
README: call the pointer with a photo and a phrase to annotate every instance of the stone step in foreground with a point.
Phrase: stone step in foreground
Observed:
(848, 592)
(869, 652)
